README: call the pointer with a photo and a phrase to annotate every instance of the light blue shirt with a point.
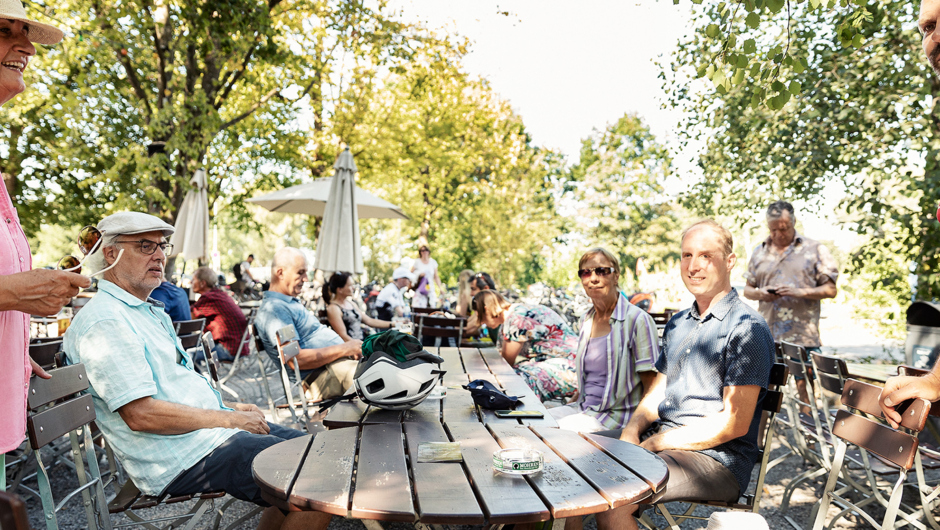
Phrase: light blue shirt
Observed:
(130, 351)
(278, 311)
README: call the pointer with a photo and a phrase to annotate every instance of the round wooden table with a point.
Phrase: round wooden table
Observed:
(368, 472)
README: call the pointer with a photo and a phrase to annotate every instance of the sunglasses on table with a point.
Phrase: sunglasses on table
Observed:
(600, 271)
(88, 240)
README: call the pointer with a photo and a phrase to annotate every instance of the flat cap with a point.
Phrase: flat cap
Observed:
(128, 223)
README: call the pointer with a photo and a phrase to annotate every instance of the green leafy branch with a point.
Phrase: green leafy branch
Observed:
(739, 54)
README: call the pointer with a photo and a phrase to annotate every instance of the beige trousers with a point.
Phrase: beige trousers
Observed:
(334, 381)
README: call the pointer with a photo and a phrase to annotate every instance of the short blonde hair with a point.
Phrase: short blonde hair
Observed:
(489, 303)
(603, 252)
(724, 235)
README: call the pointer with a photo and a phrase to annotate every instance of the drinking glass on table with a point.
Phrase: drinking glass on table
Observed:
(64, 319)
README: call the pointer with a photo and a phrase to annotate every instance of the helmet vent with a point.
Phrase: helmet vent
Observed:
(376, 386)
(399, 395)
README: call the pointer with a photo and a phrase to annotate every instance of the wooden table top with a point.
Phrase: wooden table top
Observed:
(369, 472)
(363, 467)
(461, 365)
(872, 372)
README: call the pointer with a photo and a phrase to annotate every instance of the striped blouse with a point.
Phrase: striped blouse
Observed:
(632, 346)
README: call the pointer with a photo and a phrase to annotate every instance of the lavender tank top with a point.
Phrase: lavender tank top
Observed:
(595, 371)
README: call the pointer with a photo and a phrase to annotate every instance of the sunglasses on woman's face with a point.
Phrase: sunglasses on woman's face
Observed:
(600, 271)
(88, 240)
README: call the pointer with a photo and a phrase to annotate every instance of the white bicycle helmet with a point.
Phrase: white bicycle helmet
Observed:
(384, 381)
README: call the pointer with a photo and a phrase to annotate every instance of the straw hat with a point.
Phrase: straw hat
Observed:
(38, 32)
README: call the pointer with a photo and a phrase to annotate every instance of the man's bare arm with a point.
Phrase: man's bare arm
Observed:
(310, 358)
(163, 417)
(820, 292)
(647, 411)
(714, 429)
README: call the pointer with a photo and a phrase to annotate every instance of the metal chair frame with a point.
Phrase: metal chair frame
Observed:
(237, 361)
(289, 346)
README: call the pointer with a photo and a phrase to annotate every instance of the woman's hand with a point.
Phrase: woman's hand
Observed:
(38, 370)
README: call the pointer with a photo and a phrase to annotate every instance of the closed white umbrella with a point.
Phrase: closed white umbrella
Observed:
(191, 239)
(338, 248)
(310, 199)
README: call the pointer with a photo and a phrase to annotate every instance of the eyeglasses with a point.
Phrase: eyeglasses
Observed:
(600, 271)
(148, 247)
(88, 240)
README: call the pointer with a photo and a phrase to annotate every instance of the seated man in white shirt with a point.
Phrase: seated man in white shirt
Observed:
(391, 302)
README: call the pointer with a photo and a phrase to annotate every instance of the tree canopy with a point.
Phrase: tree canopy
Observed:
(143, 92)
(864, 121)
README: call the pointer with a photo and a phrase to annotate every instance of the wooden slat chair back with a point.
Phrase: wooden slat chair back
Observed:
(58, 407)
(439, 327)
(288, 346)
(856, 425)
(831, 372)
(185, 327)
(47, 354)
(749, 502)
(929, 454)
(13, 514)
(190, 340)
(426, 310)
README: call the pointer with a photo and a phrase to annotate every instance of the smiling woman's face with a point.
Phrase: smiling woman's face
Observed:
(15, 51)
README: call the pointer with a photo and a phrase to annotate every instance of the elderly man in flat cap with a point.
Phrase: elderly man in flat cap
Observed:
(167, 425)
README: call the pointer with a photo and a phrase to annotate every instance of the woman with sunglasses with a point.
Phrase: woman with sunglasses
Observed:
(537, 341)
(345, 317)
(23, 291)
(617, 349)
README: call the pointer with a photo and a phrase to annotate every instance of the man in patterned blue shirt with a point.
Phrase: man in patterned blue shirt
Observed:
(702, 413)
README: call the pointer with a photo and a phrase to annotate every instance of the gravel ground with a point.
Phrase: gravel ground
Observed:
(248, 387)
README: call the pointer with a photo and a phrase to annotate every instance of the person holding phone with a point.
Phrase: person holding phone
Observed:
(788, 275)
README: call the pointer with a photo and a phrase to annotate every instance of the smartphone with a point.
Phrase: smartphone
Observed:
(519, 414)
(772, 291)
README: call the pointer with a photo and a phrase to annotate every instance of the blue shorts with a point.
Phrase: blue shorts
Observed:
(228, 466)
